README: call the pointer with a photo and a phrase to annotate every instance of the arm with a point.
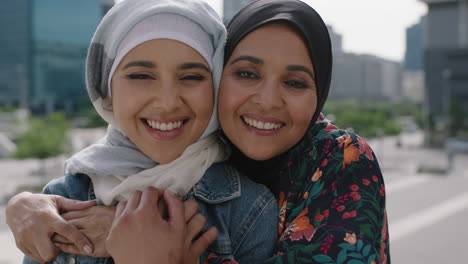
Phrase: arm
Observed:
(336, 214)
(34, 218)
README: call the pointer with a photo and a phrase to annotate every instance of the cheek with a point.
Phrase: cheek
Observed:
(302, 111)
(202, 102)
(231, 97)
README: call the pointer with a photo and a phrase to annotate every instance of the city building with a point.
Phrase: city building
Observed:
(231, 7)
(363, 77)
(414, 55)
(413, 76)
(45, 52)
(446, 66)
(15, 53)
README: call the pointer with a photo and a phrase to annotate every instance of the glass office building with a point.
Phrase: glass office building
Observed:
(61, 32)
(43, 50)
(15, 52)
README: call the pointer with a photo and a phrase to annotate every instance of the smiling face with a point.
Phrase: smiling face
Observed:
(267, 95)
(162, 97)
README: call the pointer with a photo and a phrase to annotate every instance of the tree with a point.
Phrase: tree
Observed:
(44, 138)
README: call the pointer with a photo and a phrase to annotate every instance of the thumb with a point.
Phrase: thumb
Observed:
(66, 205)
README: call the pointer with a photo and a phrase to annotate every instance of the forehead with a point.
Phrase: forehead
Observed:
(276, 41)
(164, 49)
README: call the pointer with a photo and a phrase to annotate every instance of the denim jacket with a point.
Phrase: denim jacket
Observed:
(246, 223)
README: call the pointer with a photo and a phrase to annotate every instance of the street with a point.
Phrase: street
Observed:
(427, 212)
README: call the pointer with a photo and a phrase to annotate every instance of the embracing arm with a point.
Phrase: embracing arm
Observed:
(34, 218)
(153, 238)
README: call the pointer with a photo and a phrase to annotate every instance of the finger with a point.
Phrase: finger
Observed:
(66, 205)
(78, 223)
(120, 208)
(60, 239)
(149, 198)
(73, 215)
(33, 254)
(190, 209)
(195, 226)
(134, 201)
(69, 248)
(47, 251)
(75, 236)
(175, 210)
(44, 248)
(204, 241)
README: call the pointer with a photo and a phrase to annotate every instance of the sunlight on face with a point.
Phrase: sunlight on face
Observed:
(162, 96)
(267, 94)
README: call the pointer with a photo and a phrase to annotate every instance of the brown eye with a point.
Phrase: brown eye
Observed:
(246, 75)
(193, 77)
(296, 84)
(139, 77)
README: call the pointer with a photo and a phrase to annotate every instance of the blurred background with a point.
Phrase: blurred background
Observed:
(400, 80)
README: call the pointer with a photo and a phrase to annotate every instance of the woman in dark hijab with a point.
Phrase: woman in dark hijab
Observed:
(327, 181)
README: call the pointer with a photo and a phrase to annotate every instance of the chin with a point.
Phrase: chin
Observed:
(260, 155)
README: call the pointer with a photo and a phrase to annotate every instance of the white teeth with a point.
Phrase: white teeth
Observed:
(261, 125)
(164, 126)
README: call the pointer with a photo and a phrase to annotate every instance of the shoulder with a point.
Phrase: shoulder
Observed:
(223, 182)
(73, 186)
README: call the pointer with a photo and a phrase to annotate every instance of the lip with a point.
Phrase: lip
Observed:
(262, 118)
(260, 132)
(165, 135)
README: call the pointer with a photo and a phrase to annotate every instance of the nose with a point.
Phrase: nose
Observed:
(269, 95)
(168, 96)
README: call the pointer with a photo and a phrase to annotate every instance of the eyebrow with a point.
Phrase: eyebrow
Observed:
(146, 64)
(247, 58)
(191, 65)
(301, 68)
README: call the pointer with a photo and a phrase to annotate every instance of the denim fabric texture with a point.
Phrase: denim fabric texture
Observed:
(245, 213)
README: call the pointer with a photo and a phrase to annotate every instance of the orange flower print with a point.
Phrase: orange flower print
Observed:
(351, 239)
(282, 203)
(300, 228)
(364, 148)
(347, 215)
(317, 175)
(351, 154)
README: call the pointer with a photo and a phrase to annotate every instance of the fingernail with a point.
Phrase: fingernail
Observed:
(88, 249)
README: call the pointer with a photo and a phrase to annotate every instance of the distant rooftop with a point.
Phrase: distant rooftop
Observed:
(441, 1)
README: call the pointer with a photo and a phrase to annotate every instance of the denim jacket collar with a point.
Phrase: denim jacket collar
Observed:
(219, 184)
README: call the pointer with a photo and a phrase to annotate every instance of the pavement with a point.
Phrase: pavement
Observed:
(427, 211)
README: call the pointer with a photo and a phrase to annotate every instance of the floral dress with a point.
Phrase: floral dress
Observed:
(331, 202)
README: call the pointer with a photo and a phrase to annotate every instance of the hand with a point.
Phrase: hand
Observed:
(153, 239)
(94, 223)
(193, 248)
(34, 218)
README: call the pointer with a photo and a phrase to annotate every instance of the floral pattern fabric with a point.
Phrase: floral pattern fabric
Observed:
(331, 202)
